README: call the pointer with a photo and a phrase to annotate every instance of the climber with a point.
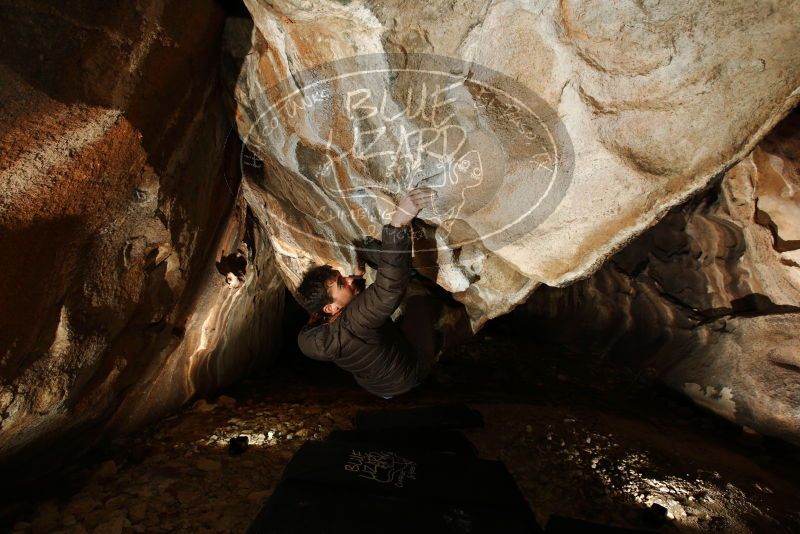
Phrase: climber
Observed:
(353, 328)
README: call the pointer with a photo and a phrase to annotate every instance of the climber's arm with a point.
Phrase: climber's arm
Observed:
(377, 303)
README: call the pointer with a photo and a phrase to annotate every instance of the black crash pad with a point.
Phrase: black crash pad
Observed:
(441, 417)
(443, 441)
(360, 487)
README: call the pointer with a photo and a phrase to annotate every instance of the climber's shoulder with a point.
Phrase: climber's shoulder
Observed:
(319, 341)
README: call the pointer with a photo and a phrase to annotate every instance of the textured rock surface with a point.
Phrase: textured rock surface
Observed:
(709, 297)
(134, 276)
(655, 98)
(131, 279)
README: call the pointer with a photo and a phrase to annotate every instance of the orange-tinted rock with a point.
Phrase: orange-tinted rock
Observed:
(117, 218)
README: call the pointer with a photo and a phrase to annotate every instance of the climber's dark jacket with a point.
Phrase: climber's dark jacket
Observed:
(362, 338)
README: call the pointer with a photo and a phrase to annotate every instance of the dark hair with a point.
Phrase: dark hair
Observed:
(313, 290)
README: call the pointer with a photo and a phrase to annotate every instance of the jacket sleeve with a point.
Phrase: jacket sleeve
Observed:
(377, 303)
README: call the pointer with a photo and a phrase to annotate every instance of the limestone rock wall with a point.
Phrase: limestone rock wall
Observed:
(709, 299)
(132, 276)
(644, 102)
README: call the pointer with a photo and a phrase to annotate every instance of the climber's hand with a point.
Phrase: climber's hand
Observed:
(361, 268)
(411, 204)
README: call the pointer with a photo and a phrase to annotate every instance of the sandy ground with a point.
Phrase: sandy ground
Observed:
(584, 439)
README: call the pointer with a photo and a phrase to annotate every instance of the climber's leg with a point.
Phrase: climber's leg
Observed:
(420, 314)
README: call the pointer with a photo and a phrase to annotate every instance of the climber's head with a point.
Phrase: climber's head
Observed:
(325, 291)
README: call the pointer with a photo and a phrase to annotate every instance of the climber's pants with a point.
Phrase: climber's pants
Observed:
(420, 314)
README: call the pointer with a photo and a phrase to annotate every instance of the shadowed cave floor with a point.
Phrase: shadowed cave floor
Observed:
(584, 439)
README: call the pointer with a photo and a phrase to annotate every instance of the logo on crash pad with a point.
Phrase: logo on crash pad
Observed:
(385, 467)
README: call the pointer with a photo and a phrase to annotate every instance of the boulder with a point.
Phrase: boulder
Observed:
(554, 132)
